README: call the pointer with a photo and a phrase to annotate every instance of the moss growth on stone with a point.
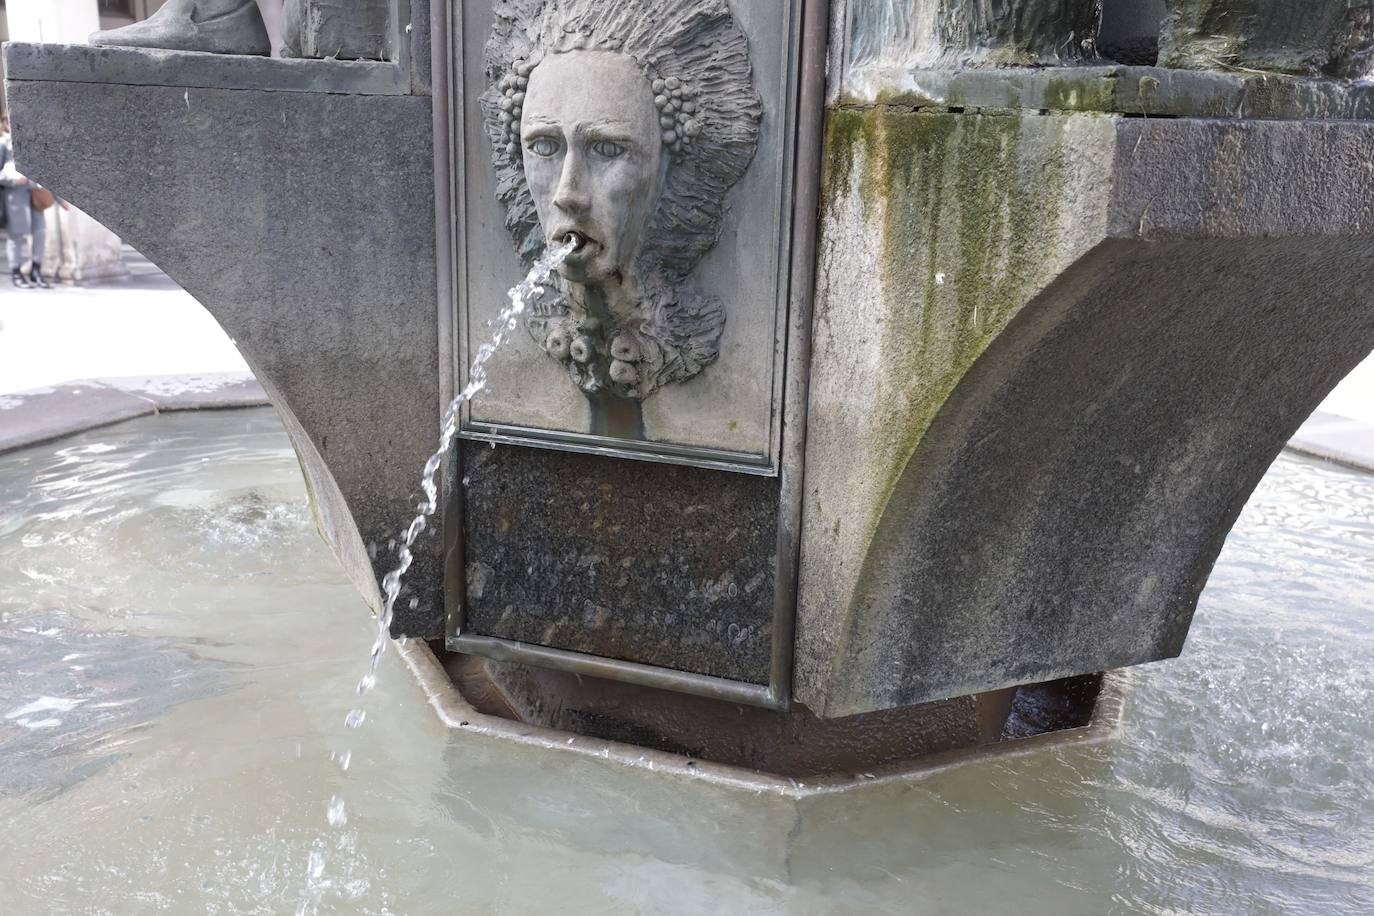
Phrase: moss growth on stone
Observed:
(963, 217)
(849, 134)
(1081, 94)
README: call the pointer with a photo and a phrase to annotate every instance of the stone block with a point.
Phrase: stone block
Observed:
(303, 221)
(1053, 355)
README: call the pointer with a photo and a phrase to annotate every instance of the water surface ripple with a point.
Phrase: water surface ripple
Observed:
(177, 649)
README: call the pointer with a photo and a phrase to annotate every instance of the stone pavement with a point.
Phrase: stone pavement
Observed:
(144, 325)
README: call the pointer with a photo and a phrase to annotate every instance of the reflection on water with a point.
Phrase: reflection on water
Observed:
(177, 651)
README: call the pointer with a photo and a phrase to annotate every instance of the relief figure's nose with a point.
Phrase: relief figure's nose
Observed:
(573, 194)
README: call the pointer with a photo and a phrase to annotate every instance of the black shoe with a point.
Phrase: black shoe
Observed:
(36, 277)
(18, 279)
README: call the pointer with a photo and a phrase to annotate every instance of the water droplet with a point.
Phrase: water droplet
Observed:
(336, 812)
(355, 718)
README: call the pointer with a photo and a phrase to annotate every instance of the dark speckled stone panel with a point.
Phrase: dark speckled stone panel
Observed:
(652, 563)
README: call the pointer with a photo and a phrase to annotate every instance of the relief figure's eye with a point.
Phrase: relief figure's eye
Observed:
(608, 149)
(543, 146)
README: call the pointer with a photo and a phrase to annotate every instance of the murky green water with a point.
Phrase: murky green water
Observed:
(178, 652)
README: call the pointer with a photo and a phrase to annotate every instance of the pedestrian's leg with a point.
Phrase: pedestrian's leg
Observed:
(17, 234)
(12, 256)
(17, 250)
(39, 221)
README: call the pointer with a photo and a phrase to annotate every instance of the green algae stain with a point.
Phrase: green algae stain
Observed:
(968, 226)
(968, 208)
(850, 135)
(1081, 94)
(843, 134)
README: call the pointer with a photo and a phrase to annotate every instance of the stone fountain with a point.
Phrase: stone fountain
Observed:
(911, 367)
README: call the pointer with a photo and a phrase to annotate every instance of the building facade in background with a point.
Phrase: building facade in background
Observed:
(79, 248)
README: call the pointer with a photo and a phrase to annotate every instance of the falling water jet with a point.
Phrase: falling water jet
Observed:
(520, 296)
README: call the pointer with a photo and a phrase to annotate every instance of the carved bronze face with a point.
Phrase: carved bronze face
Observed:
(594, 160)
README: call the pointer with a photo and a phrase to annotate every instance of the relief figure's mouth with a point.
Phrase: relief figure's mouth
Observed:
(584, 245)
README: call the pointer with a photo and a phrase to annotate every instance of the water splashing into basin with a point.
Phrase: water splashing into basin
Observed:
(519, 297)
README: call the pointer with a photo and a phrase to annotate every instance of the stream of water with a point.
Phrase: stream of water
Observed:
(519, 298)
(178, 649)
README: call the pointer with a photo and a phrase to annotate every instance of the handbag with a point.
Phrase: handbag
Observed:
(41, 199)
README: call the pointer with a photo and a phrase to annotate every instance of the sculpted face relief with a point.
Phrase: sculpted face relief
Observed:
(621, 126)
(593, 156)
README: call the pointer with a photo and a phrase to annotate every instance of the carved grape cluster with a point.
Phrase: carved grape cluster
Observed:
(513, 86)
(677, 112)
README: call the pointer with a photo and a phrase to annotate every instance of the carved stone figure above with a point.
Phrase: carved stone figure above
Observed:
(339, 29)
(216, 26)
(621, 127)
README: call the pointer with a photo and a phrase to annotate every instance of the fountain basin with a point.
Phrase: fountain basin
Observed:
(220, 645)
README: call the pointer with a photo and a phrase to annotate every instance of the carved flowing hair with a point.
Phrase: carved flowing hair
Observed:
(695, 60)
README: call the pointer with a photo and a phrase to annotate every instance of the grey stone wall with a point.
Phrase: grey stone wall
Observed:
(303, 221)
(1053, 356)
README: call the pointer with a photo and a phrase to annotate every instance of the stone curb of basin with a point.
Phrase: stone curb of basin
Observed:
(1335, 438)
(44, 414)
(455, 712)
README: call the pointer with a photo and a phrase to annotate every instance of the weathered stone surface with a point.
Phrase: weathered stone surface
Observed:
(151, 67)
(341, 29)
(793, 743)
(210, 26)
(1338, 439)
(421, 66)
(1002, 32)
(40, 415)
(654, 563)
(1332, 37)
(956, 33)
(1130, 30)
(204, 391)
(303, 222)
(1052, 358)
(1150, 92)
